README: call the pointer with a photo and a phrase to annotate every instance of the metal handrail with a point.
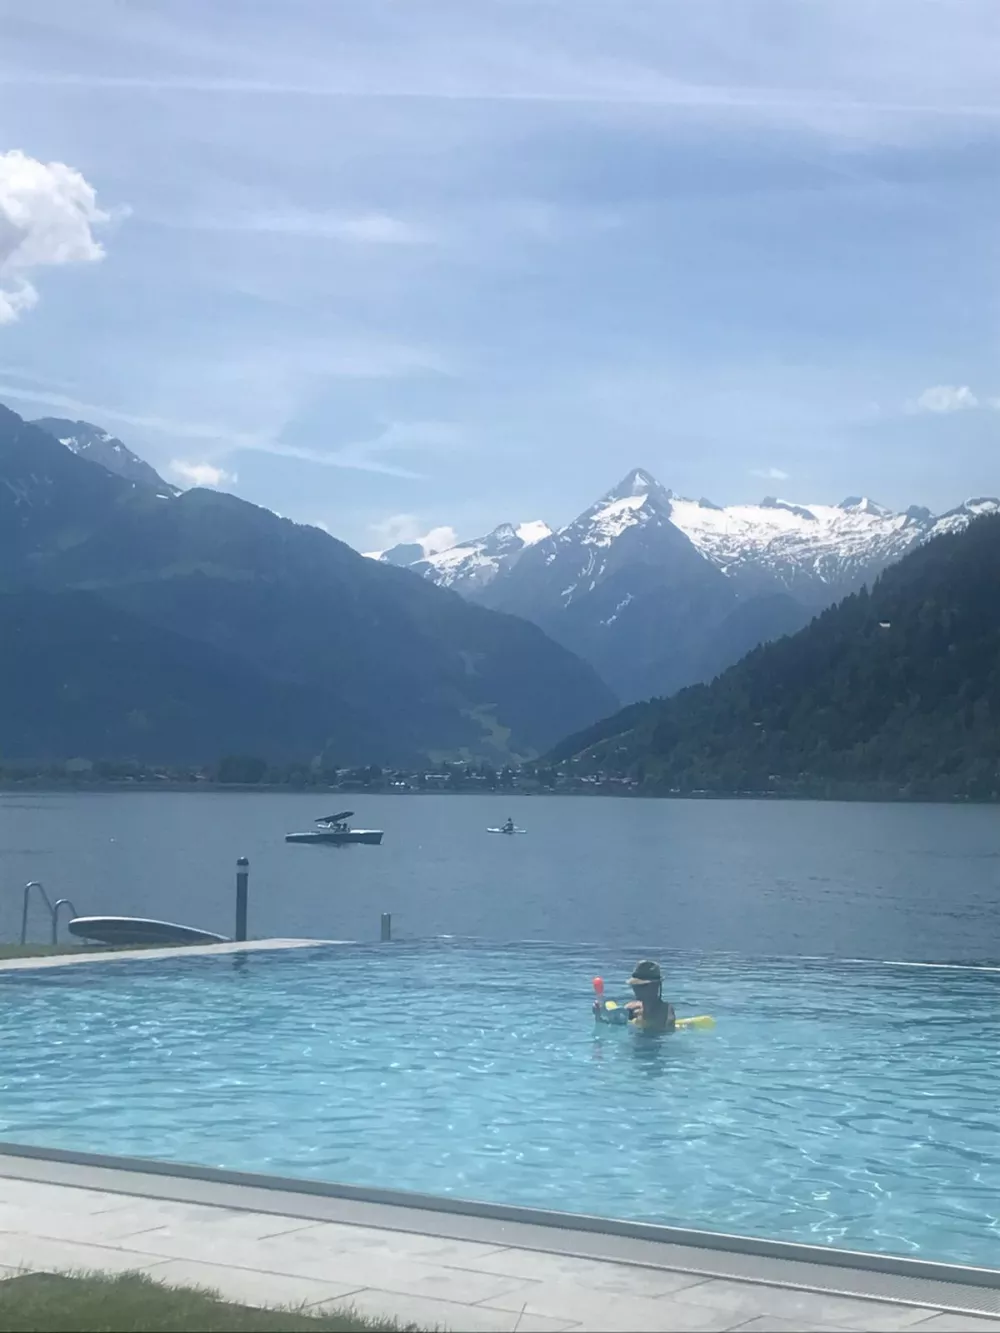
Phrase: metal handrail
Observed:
(53, 910)
(34, 884)
(62, 902)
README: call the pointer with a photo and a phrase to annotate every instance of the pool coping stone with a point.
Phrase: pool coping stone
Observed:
(154, 955)
(886, 1278)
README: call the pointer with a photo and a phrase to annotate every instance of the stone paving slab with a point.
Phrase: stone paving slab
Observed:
(615, 1312)
(250, 1288)
(768, 1324)
(435, 1280)
(821, 1307)
(589, 1274)
(37, 1254)
(958, 1323)
(448, 1315)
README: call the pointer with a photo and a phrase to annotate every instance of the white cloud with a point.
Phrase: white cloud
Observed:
(201, 474)
(946, 398)
(47, 211)
(769, 473)
(405, 529)
(438, 539)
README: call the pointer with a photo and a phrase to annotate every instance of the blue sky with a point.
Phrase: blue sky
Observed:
(391, 267)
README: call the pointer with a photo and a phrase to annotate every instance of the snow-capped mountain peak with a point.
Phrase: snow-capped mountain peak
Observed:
(638, 499)
(638, 482)
(534, 531)
(106, 450)
(861, 504)
(957, 519)
(469, 566)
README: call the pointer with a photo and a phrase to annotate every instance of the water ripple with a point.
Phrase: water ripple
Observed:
(850, 1105)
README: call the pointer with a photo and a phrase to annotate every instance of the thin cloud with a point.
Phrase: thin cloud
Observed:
(769, 473)
(370, 455)
(357, 458)
(29, 378)
(664, 93)
(98, 413)
(351, 228)
(361, 456)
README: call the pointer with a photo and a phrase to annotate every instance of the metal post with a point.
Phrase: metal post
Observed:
(386, 927)
(242, 880)
(24, 913)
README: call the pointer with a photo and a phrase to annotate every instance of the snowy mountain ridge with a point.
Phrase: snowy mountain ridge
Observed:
(657, 591)
(471, 566)
(816, 552)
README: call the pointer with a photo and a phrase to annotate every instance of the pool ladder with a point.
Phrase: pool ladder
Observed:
(53, 910)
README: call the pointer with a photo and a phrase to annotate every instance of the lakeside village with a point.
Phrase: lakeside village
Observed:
(448, 777)
(254, 773)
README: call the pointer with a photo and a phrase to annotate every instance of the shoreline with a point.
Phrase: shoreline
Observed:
(49, 788)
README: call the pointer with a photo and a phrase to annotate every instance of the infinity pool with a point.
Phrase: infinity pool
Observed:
(844, 1104)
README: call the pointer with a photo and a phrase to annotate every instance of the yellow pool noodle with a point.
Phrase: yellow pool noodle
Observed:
(703, 1021)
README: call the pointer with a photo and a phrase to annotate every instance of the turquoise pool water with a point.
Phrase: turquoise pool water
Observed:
(843, 1104)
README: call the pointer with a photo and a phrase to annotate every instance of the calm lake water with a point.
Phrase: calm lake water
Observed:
(906, 882)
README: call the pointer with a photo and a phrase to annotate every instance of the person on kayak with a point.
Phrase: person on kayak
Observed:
(649, 1010)
(509, 826)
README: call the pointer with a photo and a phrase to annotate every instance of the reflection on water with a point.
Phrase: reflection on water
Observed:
(852, 1105)
(793, 878)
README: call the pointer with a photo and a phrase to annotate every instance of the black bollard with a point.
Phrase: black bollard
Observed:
(242, 880)
(386, 927)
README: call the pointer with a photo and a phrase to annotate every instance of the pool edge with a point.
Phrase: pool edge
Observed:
(863, 1274)
(223, 949)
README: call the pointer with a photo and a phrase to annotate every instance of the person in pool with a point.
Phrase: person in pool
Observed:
(649, 1010)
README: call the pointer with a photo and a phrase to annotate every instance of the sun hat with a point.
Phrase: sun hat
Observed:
(645, 973)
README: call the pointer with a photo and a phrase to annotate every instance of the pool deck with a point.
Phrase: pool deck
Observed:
(438, 1269)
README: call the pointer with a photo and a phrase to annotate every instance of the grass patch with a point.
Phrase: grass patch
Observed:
(135, 1303)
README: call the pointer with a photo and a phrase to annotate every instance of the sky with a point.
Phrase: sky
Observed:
(424, 266)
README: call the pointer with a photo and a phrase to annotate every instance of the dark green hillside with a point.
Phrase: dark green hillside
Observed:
(389, 665)
(79, 678)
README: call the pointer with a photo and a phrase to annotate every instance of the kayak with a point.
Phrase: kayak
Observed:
(508, 831)
(123, 930)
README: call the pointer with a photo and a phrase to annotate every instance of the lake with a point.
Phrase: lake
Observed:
(891, 882)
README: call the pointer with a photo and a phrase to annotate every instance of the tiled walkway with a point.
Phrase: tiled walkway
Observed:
(275, 1258)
